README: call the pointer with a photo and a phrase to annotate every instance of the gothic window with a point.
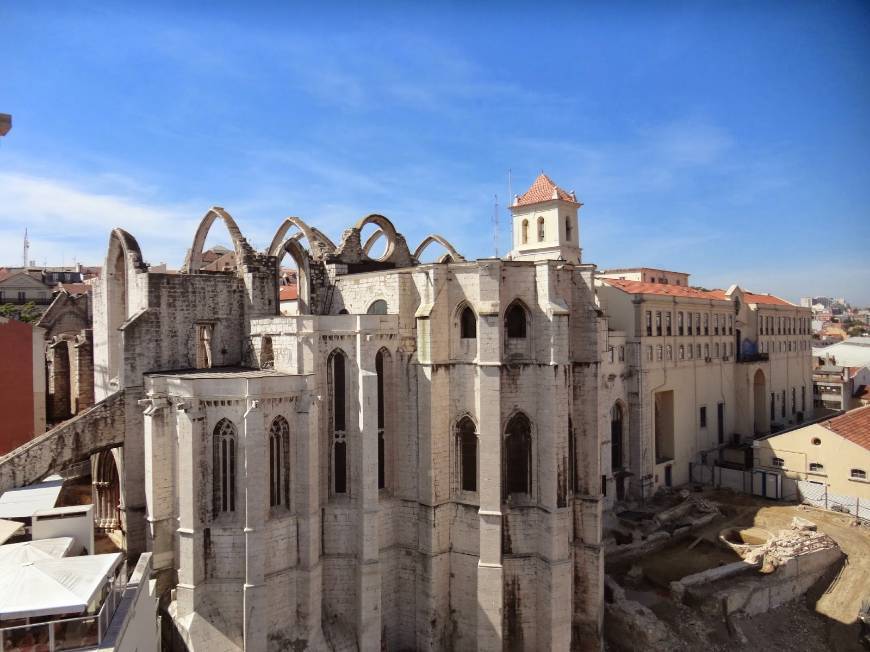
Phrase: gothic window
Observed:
(616, 437)
(338, 415)
(267, 357)
(203, 346)
(515, 321)
(279, 462)
(379, 370)
(466, 453)
(378, 307)
(518, 456)
(540, 229)
(224, 467)
(525, 235)
(467, 324)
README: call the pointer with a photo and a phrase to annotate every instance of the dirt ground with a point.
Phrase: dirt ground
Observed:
(825, 620)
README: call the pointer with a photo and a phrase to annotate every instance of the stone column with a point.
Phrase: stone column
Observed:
(193, 479)
(306, 503)
(369, 583)
(255, 478)
(159, 485)
(490, 572)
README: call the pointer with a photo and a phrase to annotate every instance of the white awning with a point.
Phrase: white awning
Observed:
(23, 501)
(9, 529)
(20, 553)
(50, 587)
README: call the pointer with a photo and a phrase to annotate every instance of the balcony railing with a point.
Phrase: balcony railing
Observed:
(67, 633)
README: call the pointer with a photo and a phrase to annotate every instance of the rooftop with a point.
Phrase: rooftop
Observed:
(544, 189)
(640, 287)
(854, 426)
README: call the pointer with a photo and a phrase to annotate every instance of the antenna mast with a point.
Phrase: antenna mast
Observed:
(495, 227)
(26, 252)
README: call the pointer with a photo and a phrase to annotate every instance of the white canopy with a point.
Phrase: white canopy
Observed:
(20, 553)
(23, 501)
(50, 587)
(9, 529)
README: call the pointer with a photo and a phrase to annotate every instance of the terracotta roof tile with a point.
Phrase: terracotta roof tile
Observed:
(542, 190)
(75, 288)
(854, 426)
(287, 293)
(751, 297)
(640, 287)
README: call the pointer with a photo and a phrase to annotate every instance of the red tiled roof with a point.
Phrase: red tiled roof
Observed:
(854, 426)
(750, 297)
(75, 288)
(4, 273)
(640, 287)
(287, 293)
(542, 190)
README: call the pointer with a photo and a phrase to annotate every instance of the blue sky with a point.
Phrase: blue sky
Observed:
(728, 140)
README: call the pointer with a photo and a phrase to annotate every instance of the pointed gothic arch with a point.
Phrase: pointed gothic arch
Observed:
(240, 245)
(434, 238)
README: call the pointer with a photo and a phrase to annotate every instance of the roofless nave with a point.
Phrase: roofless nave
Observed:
(432, 476)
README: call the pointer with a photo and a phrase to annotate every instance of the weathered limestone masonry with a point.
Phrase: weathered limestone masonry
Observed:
(416, 460)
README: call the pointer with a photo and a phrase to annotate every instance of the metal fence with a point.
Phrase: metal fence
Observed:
(773, 484)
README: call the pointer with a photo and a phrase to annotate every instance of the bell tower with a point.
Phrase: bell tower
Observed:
(546, 223)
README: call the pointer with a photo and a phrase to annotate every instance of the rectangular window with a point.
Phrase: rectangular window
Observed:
(815, 467)
(716, 324)
(659, 352)
(622, 354)
(679, 323)
(793, 400)
(682, 352)
(649, 353)
(717, 349)
(706, 323)
(777, 462)
(706, 350)
(689, 351)
(782, 408)
(610, 354)
(698, 351)
(731, 324)
(761, 325)
(658, 323)
(720, 422)
(649, 322)
(772, 406)
(21, 296)
(804, 399)
(668, 324)
(858, 474)
(670, 352)
(703, 416)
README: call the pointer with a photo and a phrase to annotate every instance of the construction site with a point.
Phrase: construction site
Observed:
(719, 570)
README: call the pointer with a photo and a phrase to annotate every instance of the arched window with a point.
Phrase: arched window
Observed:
(525, 235)
(224, 470)
(379, 370)
(466, 454)
(518, 456)
(540, 229)
(338, 415)
(378, 307)
(343, 311)
(616, 437)
(515, 321)
(567, 228)
(267, 357)
(279, 462)
(467, 324)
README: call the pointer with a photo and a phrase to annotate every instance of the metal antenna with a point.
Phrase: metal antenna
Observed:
(26, 249)
(495, 227)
